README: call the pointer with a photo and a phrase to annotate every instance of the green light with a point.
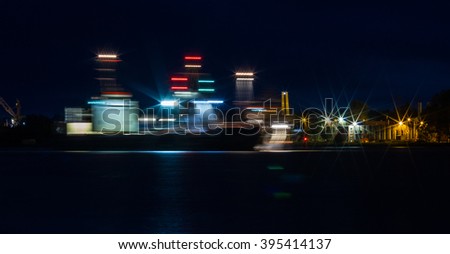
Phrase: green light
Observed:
(205, 81)
(206, 89)
(275, 167)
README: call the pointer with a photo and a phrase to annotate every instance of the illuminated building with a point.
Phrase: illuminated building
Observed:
(192, 93)
(78, 121)
(193, 65)
(113, 111)
(244, 87)
(106, 66)
(285, 102)
(115, 115)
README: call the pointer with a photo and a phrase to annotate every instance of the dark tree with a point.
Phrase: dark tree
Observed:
(438, 115)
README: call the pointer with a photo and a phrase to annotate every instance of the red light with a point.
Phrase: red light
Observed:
(192, 58)
(108, 60)
(179, 88)
(305, 139)
(179, 79)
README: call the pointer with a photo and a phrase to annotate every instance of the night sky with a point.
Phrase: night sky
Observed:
(313, 49)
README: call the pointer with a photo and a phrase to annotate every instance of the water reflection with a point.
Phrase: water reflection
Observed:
(368, 190)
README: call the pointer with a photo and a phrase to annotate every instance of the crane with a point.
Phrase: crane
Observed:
(16, 116)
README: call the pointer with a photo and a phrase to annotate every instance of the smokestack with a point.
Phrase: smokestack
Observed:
(419, 108)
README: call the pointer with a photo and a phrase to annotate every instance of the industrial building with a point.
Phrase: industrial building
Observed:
(112, 112)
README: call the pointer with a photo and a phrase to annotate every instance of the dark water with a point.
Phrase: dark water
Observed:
(361, 190)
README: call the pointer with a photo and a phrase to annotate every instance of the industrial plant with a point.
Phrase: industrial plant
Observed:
(192, 106)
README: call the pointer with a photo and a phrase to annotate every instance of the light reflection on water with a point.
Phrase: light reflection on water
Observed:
(336, 189)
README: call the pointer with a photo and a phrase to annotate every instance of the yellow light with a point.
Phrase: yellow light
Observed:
(400, 123)
(409, 119)
(107, 56)
(421, 122)
(244, 73)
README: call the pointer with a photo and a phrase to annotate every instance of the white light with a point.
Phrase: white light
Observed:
(185, 93)
(355, 123)
(208, 102)
(192, 66)
(167, 120)
(215, 102)
(280, 126)
(168, 103)
(145, 119)
(245, 79)
(244, 73)
(107, 56)
(341, 120)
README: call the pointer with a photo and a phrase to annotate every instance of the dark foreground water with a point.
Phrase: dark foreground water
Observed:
(361, 190)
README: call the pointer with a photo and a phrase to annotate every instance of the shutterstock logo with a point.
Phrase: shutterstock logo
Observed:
(208, 120)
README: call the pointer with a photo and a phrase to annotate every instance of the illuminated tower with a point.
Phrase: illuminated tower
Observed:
(192, 94)
(285, 102)
(192, 83)
(244, 87)
(192, 65)
(107, 76)
(114, 111)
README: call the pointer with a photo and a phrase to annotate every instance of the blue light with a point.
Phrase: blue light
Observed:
(205, 81)
(206, 89)
(96, 102)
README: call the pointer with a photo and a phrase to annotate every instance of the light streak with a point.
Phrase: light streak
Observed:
(178, 79)
(279, 126)
(192, 58)
(208, 102)
(168, 103)
(244, 73)
(179, 88)
(107, 56)
(206, 89)
(205, 81)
